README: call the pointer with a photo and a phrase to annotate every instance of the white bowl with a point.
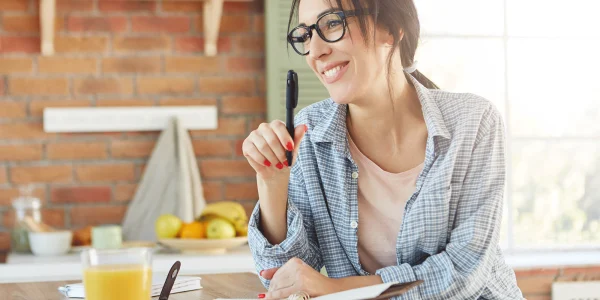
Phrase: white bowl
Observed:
(50, 243)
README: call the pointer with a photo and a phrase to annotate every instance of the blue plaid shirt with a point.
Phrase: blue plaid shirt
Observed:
(451, 226)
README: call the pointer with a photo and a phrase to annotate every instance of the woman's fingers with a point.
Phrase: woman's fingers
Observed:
(254, 157)
(271, 134)
(264, 148)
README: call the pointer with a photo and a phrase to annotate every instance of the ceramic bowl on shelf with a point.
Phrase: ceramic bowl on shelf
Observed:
(216, 246)
(50, 243)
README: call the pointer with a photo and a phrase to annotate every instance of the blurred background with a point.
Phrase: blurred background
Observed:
(536, 60)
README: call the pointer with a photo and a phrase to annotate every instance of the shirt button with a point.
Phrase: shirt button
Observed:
(353, 224)
(354, 175)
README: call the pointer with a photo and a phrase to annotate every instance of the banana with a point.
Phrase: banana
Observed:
(231, 211)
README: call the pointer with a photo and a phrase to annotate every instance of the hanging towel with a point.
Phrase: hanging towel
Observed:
(170, 185)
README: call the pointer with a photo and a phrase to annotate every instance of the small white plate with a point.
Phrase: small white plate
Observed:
(204, 245)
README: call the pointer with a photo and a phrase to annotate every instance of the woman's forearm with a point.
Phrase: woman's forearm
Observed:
(272, 197)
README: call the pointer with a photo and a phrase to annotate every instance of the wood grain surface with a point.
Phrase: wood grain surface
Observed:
(234, 285)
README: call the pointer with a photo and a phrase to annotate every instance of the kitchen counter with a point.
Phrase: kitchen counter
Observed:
(30, 268)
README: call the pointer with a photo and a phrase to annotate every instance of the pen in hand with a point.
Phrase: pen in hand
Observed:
(291, 101)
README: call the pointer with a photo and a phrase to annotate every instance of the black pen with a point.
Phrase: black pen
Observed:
(291, 101)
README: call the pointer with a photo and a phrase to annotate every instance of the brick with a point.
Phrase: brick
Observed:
(21, 152)
(24, 130)
(259, 24)
(174, 24)
(213, 191)
(255, 122)
(538, 297)
(212, 147)
(241, 191)
(168, 85)
(131, 148)
(38, 86)
(2, 88)
(79, 44)
(92, 85)
(53, 173)
(141, 43)
(15, 65)
(3, 178)
(240, 7)
(76, 150)
(124, 102)
(54, 217)
(261, 85)
(536, 272)
(187, 101)
(105, 172)
(250, 44)
(193, 64)
(73, 5)
(27, 24)
(70, 65)
(4, 241)
(81, 194)
(126, 5)
(8, 194)
(227, 85)
(220, 168)
(97, 215)
(240, 105)
(36, 107)
(231, 24)
(97, 24)
(535, 284)
(581, 270)
(131, 64)
(245, 64)
(225, 126)
(20, 44)
(125, 192)
(182, 6)
(14, 5)
(13, 110)
(238, 147)
(190, 44)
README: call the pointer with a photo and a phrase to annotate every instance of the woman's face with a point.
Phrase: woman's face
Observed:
(348, 68)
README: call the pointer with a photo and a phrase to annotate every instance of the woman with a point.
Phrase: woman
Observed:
(392, 179)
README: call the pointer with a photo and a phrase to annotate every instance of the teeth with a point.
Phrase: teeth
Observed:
(333, 72)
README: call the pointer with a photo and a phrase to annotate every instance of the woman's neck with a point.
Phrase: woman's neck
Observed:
(383, 127)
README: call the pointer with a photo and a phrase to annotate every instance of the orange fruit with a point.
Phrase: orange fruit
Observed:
(194, 230)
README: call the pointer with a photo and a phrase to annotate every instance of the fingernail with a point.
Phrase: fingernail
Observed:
(305, 128)
(261, 296)
(267, 163)
(289, 146)
(285, 163)
(279, 166)
(261, 272)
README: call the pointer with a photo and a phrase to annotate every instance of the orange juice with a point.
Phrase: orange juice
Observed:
(117, 282)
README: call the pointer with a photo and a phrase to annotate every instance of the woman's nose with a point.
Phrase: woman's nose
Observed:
(318, 47)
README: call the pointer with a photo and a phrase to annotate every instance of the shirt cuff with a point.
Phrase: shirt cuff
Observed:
(293, 245)
(400, 274)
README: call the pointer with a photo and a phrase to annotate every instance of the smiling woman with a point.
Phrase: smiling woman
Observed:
(393, 179)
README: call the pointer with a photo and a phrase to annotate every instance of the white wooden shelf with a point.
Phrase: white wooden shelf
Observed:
(212, 12)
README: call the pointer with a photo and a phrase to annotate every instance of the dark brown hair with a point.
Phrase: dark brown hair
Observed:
(393, 15)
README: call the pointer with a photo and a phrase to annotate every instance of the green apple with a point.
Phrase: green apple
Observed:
(219, 228)
(167, 226)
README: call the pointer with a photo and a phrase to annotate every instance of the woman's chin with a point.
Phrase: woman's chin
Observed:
(341, 97)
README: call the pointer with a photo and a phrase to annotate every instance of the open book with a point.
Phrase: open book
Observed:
(182, 284)
(374, 292)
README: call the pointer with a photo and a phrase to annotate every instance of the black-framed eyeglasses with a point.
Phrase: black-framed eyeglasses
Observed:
(331, 27)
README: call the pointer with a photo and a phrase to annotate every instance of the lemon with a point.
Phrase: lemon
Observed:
(219, 228)
(167, 226)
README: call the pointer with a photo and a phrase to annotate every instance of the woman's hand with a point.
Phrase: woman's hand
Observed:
(296, 276)
(265, 148)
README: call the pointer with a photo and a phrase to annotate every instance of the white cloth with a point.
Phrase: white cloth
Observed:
(171, 184)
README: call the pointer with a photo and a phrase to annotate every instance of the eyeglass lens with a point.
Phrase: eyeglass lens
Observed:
(330, 28)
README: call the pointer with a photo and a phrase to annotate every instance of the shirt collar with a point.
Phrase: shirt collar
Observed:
(332, 127)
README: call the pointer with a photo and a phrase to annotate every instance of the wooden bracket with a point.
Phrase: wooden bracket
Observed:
(47, 19)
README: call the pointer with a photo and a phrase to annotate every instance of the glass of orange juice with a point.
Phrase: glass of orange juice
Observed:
(121, 274)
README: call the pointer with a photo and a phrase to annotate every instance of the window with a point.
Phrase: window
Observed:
(538, 62)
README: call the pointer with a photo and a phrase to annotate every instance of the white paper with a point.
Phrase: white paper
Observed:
(182, 284)
(363, 293)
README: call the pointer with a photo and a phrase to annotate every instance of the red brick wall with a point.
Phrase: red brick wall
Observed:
(536, 284)
(122, 52)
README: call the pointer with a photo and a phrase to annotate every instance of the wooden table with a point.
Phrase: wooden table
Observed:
(234, 285)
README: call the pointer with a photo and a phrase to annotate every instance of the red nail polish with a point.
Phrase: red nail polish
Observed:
(289, 146)
(260, 296)
(261, 272)
(285, 163)
(267, 163)
(279, 166)
(305, 128)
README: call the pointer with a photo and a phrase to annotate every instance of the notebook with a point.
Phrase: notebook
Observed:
(374, 292)
(182, 284)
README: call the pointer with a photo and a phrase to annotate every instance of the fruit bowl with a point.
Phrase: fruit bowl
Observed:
(216, 246)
